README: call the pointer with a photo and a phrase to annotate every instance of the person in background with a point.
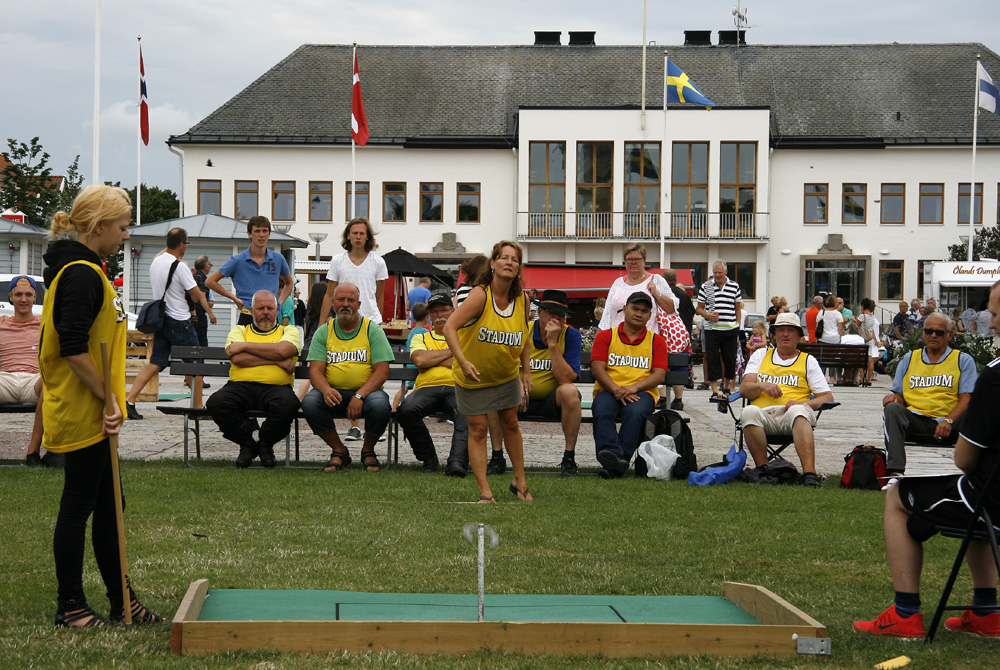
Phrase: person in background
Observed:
(676, 330)
(916, 312)
(772, 311)
(957, 327)
(300, 309)
(810, 318)
(636, 279)
(288, 312)
(850, 376)
(759, 338)
(720, 304)
(833, 329)
(867, 321)
(844, 310)
(419, 314)
(420, 293)
(901, 324)
(199, 317)
(20, 382)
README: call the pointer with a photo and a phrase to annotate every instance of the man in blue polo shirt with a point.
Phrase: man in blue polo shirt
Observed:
(256, 269)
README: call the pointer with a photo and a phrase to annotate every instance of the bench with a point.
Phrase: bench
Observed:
(847, 356)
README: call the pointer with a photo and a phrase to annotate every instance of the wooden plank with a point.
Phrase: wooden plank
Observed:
(189, 611)
(769, 608)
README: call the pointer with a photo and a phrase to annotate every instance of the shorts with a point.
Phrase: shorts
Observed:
(775, 420)
(481, 401)
(18, 388)
(174, 333)
(546, 407)
(933, 501)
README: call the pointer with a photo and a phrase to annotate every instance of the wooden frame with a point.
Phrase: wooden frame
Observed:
(242, 187)
(278, 187)
(691, 181)
(548, 184)
(364, 189)
(318, 189)
(386, 193)
(859, 192)
(820, 193)
(468, 190)
(781, 624)
(884, 270)
(976, 212)
(203, 188)
(935, 190)
(428, 191)
(887, 194)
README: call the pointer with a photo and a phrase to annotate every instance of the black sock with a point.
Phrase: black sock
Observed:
(907, 604)
(984, 601)
(497, 453)
(569, 455)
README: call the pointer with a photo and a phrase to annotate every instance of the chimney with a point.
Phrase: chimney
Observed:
(697, 38)
(732, 38)
(548, 37)
(581, 38)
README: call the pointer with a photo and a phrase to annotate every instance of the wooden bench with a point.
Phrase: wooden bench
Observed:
(847, 356)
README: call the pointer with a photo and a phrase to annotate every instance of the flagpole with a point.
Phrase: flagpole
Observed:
(97, 92)
(354, 185)
(642, 115)
(663, 157)
(138, 144)
(972, 184)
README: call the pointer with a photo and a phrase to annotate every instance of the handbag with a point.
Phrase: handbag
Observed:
(151, 314)
(867, 331)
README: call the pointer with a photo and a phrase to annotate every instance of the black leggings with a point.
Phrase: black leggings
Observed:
(88, 489)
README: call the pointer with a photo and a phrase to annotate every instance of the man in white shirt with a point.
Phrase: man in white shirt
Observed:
(177, 327)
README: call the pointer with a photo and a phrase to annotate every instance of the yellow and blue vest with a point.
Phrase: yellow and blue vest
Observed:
(543, 380)
(493, 343)
(791, 378)
(629, 363)
(932, 389)
(437, 375)
(348, 362)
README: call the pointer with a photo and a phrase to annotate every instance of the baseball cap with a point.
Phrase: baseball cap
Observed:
(554, 301)
(639, 296)
(440, 298)
(22, 280)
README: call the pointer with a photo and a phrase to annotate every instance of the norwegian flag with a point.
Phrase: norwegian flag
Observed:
(359, 124)
(143, 105)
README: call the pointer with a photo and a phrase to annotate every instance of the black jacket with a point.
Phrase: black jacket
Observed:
(80, 295)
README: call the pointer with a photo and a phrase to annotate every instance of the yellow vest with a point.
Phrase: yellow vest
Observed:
(932, 389)
(73, 417)
(543, 380)
(437, 375)
(791, 378)
(348, 362)
(629, 363)
(263, 374)
(493, 343)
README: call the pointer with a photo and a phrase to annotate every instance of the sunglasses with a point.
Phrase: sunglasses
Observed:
(935, 331)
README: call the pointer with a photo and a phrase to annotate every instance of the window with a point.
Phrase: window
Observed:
(431, 200)
(361, 202)
(815, 203)
(920, 276)
(699, 272)
(893, 203)
(547, 168)
(855, 201)
(468, 202)
(642, 189)
(321, 201)
(393, 201)
(963, 203)
(737, 188)
(594, 176)
(744, 274)
(932, 203)
(246, 199)
(283, 207)
(209, 196)
(690, 177)
(890, 280)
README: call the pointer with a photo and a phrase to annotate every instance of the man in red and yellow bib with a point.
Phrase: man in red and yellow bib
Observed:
(784, 387)
(628, 363)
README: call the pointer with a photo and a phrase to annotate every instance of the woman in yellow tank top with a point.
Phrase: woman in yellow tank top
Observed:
(488, 338)
(82, 310)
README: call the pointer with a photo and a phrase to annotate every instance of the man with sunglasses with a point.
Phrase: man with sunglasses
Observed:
(929, 395)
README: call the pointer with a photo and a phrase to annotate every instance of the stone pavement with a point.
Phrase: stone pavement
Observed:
(858, 420)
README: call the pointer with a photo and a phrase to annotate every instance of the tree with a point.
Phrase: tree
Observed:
(986, 245)
(27, 182)
(158, 204)
(72, 185)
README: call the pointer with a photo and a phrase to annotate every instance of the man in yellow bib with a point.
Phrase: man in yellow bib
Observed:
(263, 356)
(434, 391)
(785, 387)
(929, 394)
(348, 364)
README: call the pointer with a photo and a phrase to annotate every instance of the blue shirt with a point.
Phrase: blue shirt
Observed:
(574, 344)
(288, 309)
(418, 295)
(248, 277)
(966, 365)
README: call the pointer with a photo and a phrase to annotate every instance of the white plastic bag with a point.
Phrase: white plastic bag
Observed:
(660, 454)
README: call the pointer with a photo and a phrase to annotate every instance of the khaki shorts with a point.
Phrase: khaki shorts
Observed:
(775, 420)
(18, 388)
(480, 401)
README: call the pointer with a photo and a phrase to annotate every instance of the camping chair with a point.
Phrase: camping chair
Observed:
(775, 443)
(980, 528)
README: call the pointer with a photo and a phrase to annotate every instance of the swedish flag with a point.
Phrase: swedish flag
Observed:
(681, 89)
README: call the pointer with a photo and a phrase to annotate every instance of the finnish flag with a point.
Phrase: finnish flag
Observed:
(989, 95)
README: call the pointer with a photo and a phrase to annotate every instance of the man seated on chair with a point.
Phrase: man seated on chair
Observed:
(784, 387)
(628, 363)
(914, 507)
(555, 365)
(434, 391)
(20, 382)
(929, 394)
(263, 356)
(348, 364)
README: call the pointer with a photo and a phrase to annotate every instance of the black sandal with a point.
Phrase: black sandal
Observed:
(67, 619)
(485, 499)
(369, 462)
(521, 495)
(140, 614)
(337, 466)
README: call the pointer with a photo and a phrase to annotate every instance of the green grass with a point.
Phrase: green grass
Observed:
(400, 531)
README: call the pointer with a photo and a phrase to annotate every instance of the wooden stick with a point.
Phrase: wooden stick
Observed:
(119, 515)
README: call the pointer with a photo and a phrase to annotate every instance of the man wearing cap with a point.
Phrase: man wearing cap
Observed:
(20, 382)
(434, 391)
(628, 363)
(555, 365)
(784, 387)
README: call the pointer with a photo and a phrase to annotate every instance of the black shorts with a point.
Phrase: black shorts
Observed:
(545, 407)
(933, 501)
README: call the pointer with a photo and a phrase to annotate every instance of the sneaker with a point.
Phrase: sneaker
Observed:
(722, 407)
(382, 438)
(604, 473)
(973, 624)
(267, 458)
(893, 479)
(456, 469)
(248, 452)
(568, 467)
(430, 465)
(660, 404)
(354, 434)
(33, 460)
(132, 412)
(677, 404)
(612, 461)
(497, 464)
(810, 480)
(890, 623)
(641, 468)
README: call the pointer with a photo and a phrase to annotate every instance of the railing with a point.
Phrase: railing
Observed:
(642, 225)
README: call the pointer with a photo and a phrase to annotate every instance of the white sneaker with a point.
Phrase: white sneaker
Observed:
(382, 438)
(892, 480)
(354, 434)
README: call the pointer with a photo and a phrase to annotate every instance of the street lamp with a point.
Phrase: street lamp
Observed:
(282, 227)
(317, 238)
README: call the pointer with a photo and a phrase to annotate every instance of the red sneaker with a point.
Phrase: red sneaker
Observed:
(973, 624)
(890, 623)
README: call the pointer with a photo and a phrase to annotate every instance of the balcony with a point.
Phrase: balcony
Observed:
(682, 226)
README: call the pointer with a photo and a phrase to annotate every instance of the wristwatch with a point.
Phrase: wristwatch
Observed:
(948, 421)
(359, 396)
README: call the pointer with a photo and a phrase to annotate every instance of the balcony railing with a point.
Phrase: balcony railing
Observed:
(642, 225)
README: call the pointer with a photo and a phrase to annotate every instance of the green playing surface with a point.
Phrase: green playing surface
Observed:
(304, 605)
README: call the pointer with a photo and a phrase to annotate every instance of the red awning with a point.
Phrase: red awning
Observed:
(582, 281)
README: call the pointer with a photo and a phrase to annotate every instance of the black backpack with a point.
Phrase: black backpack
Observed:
(864, 468)
(669, 422)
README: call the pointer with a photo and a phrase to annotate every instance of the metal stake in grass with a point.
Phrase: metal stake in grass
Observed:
(481, 531)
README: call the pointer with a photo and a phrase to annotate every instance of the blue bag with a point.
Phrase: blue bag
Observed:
(733, 464)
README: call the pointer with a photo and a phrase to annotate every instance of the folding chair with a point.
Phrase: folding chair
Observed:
(775, 443)
(980, 528)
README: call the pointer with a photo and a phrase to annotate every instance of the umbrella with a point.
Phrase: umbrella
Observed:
(402, 263)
